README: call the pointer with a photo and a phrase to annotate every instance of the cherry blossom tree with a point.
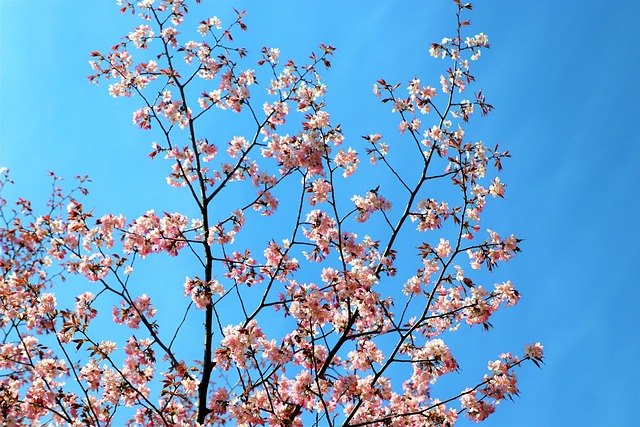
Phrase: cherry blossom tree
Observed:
(340, 320)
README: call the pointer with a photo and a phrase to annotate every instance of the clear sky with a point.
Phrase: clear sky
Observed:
(563, 78)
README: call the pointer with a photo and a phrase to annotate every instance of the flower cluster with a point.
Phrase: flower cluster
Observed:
(132, 313)
(150, 233)
(201, 293)
(370, 203)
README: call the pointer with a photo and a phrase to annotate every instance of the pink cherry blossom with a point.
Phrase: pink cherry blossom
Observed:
(312, 305)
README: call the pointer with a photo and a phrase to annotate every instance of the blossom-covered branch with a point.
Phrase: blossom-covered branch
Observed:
(338, 315)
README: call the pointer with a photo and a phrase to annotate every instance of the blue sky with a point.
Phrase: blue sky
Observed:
(562, 76)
